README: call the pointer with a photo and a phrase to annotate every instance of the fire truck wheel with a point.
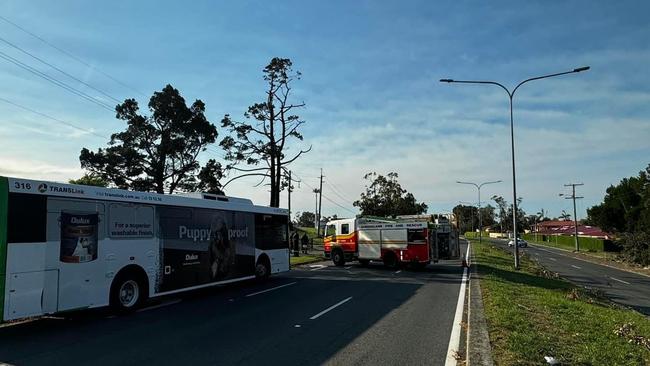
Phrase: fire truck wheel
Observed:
(390, 260)
(364, 262)
(338, 258)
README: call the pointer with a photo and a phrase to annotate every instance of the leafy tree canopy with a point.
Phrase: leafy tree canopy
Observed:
(386, 197)
(156, 152)
(90, 180)
(305, 219)
(626, 206)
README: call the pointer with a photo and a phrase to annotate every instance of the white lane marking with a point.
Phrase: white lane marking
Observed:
(317, 267)
(396, 272)
(584, 260)
(454, 339)
(160, 305)
(270, 289)
(347, 267)
(576, 267)
(331, 308)
(553, 259)
(616, 279)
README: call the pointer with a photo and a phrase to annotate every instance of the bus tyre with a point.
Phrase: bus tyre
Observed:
(364, 262)
(127, 293)
(262, 268)
(338, 258)
(390, 260)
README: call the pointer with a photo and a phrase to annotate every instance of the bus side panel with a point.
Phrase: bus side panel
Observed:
(4, 196)
(202, 246)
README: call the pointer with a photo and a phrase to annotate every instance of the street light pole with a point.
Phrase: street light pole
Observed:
(480, 218)
(512, 137)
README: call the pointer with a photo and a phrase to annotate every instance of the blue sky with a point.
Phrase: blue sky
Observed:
(370, 82)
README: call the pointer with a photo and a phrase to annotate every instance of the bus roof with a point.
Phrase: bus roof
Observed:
(198, 200)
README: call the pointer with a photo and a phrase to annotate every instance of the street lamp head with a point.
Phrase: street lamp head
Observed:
(584, 68)
(446, 80)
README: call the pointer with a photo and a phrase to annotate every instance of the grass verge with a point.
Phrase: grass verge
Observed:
(303, 259)
(531, 313)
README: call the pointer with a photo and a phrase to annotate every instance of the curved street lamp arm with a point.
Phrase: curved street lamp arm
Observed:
(579, 69)
(476, 82)
(484, 183)
(470, 183)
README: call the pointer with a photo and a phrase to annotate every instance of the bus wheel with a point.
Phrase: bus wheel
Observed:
(338, 258)
(262, 268)
(390, 260)
(364, 262)
(127, 293)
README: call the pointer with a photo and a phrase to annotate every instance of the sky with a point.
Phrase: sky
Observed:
(370, 72)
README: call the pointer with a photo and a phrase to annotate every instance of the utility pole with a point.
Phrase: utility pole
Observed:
(320, 201)
(289, 198)
(316, 191)
(575, 217)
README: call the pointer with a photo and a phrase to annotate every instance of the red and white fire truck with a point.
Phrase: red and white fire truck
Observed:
(417, 242)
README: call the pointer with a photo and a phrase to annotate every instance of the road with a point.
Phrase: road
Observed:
(623, 287)
(312, 315)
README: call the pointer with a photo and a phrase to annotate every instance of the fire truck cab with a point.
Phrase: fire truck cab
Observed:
(393, 242)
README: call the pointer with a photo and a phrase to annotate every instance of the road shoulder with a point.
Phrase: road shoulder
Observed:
(479, 350)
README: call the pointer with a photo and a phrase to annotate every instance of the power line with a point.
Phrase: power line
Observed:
(72, 56)
(337, 193)
(324, 196)
(54, 81)
(51, 118)
(341, 206)
(59, 70)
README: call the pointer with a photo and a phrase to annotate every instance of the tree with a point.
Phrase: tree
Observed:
(90, 180)
(502, 204)
(564, 216)
(468, 217)
(210, 178)
(263, 138)
(488, 216)
(157, 152)
(305, 219)
(626, 206)
(386, 197)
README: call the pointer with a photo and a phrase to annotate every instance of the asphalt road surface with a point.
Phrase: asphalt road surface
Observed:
(314, 314)
(627, 288)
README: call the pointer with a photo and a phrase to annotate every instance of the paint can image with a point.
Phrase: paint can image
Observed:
(78, 237)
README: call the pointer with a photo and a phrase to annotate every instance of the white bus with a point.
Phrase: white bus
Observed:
(66, 247)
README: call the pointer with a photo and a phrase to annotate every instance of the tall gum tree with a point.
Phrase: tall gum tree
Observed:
(261, 141)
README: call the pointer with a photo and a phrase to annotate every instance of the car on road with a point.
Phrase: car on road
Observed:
(521, 243)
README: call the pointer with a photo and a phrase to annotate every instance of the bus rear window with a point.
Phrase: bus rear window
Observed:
(271, 232)
(27, 218)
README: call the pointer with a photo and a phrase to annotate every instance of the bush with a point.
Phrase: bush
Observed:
(636, 247)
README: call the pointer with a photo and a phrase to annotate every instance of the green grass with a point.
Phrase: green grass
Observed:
(532, 314)
(305, 259)
(311, 233)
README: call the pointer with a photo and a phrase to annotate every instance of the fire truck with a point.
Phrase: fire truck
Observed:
(407, 240)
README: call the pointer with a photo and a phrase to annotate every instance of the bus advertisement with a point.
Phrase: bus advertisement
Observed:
(66, 247)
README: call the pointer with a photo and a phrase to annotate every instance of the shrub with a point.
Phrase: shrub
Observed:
(636, 247)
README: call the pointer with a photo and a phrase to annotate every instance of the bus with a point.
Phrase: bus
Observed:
(67, 247)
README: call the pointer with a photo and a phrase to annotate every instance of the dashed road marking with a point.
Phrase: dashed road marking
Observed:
(553, 259)
(616, 279)
(396, 272)
(576, 267)
(160, 305)
(331, 308)
(270, 289)
(317, 267)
